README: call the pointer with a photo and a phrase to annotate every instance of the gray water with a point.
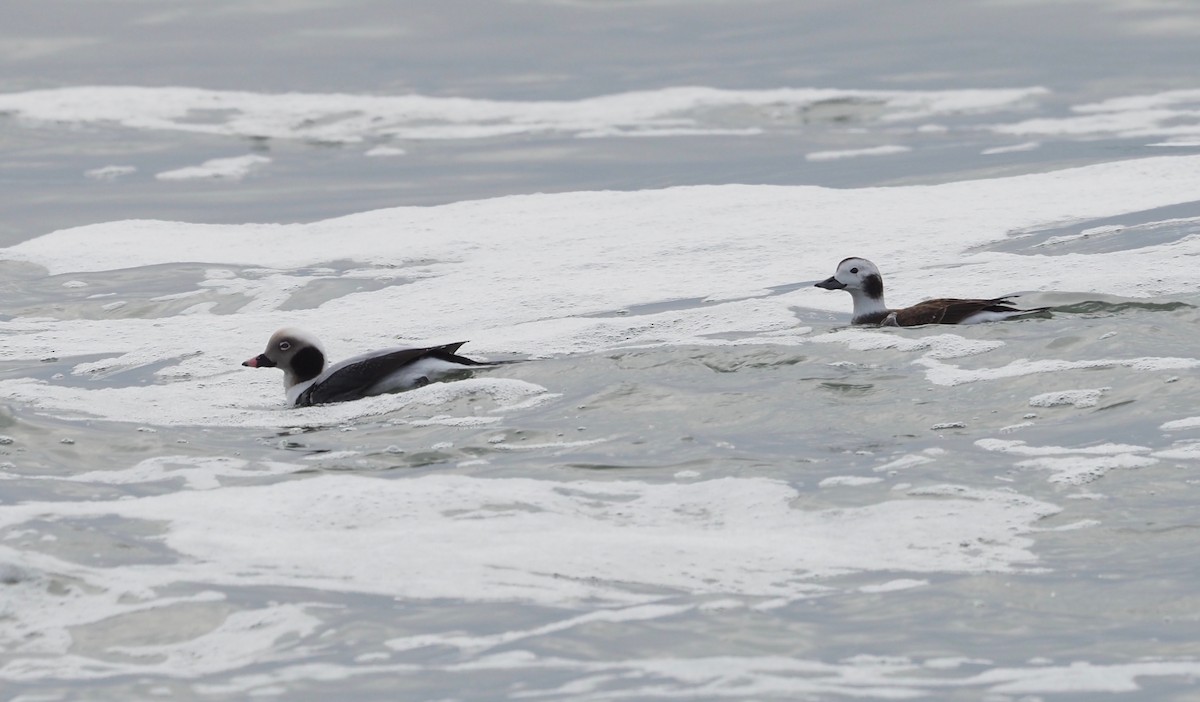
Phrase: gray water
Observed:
(1120, 592)
(552, 50)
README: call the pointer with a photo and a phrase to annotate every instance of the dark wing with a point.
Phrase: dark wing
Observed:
(351, 381)
(949, 311)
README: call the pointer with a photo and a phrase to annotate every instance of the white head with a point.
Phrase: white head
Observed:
(862, 280)
(856, 274)
(296, 352)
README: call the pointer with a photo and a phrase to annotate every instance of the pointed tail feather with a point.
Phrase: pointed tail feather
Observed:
(449, 353)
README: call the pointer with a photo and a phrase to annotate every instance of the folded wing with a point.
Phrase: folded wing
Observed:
(951, 311)
(356, 377)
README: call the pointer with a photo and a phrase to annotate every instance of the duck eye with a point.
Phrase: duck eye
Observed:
(285, 345)
(853, 270)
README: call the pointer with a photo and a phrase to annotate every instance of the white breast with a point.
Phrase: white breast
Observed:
(294, 391)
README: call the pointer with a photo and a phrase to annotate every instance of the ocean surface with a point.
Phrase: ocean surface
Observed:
(698, 481)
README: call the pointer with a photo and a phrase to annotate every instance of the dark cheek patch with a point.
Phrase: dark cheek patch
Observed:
(873, 286)
(308, 363)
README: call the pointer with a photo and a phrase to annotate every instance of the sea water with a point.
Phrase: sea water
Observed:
(698, 481)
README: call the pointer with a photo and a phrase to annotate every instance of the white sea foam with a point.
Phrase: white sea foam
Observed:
(495, 272)
(480, 644)
(945, 374)
(537, 276)
(903, 463)
(1188, 451)
(1074, 465)
(110, 172)
(1014, 148)
(1020, 448)
(1080, 470)
(1079, 399)
(740, 677)
(885, 150)
(196, 473)
(383, 150)
(894, 585)
(1180, 424)
(603, 543)
(848, 481)
(352, 118)
(1085, 234)
(234, 168)
(1173, 114)
(935, 346)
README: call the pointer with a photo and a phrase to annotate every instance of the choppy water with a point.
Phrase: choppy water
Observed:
(701, 484)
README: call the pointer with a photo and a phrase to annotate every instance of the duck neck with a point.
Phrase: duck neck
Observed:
(868, 308)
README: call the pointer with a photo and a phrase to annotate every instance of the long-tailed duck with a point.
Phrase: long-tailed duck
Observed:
(307, 381)
(862, 280)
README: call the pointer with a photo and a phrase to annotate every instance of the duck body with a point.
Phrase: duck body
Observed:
(862, 280)
(307, 380)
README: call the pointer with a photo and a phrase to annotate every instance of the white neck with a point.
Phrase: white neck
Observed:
(865, 305)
